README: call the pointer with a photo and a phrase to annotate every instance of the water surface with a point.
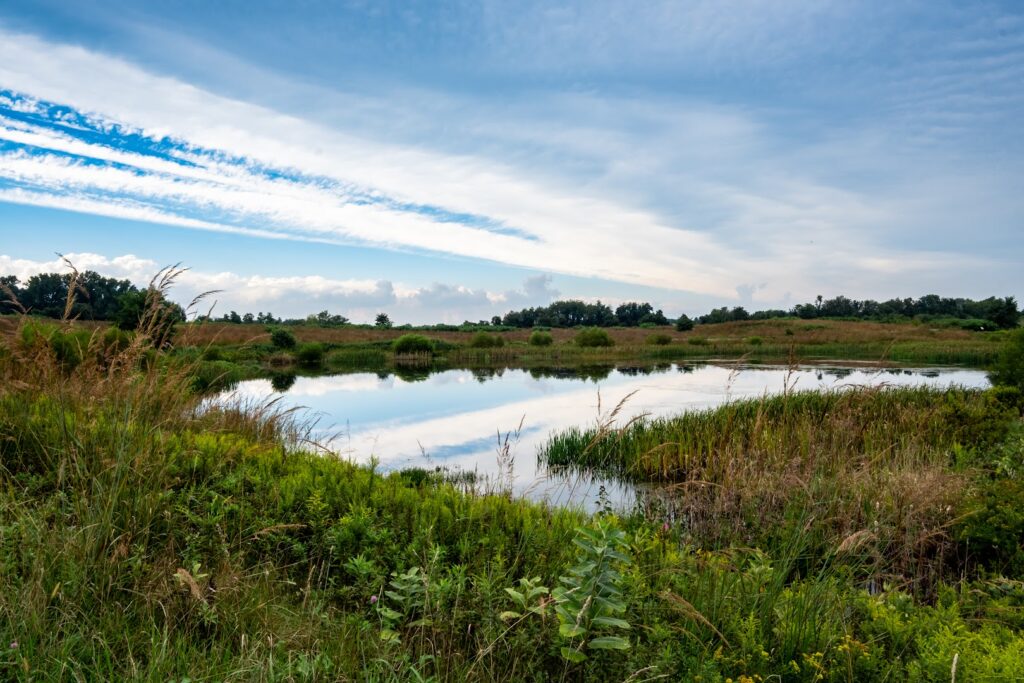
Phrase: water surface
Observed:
(459, 419)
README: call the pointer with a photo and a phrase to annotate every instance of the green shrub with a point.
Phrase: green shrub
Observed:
(1008, 369)
(310, 354)
(755, 341)
(413, 343)
(540, 338)
(282, 338)
(483, 340)
(593, 337)
(698, 341)
(212, 353)
(684, 324)
(993, 529)
(659, 340)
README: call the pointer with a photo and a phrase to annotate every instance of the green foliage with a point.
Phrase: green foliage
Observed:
(593, 337)
(382, 321)
(698, 341)
(541, 338)
(589, 602)
(483, 340)
(413, 343)
(755, 341)
(310, 354)
(282, 338)
(684, 323)
(660, 339)
(1008, 369)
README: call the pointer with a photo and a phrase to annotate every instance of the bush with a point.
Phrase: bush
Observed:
(684, 324)
(282, 338)
(1009, 367)
(482, 340)
(310, 354)
(540, 338)
(755, 341)
(593, 337)
(659, 340)
(413, 343)
(698, 341)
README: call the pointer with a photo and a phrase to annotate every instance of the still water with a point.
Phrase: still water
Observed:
(458, 419)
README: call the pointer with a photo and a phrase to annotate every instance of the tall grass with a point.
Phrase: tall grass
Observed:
(147, 535)
(877, 468)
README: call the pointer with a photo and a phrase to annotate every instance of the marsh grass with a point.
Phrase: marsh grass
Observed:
(149, 534)
(881, 471)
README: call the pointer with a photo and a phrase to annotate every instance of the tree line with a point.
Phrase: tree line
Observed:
(93, 297)
(990, 313)
(121, 302)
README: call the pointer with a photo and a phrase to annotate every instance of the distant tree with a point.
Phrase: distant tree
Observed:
(496, 320)
(633, 313)
(382, 321)
(248, 319)
(683, 323)
(151, 313)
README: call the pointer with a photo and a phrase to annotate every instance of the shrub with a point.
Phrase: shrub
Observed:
(540, 338)
(310, 354)
(659, 340)
(413, 343)
(482, 340)
(684, 324)
(282, 338)
(755, 341)
(593, 337)
(1008, 369)
(698, 341)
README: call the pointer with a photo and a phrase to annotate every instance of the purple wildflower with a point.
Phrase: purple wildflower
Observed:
(373, 599)
(14, 645)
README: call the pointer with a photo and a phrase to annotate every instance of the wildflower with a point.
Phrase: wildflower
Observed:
(373, 599)
(665, 527)
(13, 645)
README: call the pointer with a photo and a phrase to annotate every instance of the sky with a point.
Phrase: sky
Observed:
(447, 161)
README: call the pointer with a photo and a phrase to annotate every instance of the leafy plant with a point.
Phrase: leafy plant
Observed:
(530, 599)
(593, 337)
(282, 338)
(413, 343)
(310, 354)
(590, 598)
(541, 338)
(483, 340)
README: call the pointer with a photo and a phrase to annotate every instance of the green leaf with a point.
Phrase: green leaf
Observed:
(571, 630)
(608, 643)
(517, 596)
(509, 616)
(611, 621)
(574, 656)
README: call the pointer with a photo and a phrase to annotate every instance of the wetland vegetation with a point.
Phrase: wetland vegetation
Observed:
(872, 534)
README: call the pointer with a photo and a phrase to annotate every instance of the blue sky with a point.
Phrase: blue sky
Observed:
(450, 160)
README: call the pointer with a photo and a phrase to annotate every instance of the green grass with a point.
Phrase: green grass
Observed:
(144, 538)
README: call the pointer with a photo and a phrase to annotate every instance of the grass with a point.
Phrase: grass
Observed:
(145, 535)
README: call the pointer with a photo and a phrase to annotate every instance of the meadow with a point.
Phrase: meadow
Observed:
(873, 535)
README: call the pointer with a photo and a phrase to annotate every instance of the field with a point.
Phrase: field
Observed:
(867, 536)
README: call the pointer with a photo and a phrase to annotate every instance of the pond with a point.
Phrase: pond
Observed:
(491, 422)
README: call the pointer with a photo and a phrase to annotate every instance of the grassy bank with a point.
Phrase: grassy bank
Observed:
(250, 348)
(142, 538)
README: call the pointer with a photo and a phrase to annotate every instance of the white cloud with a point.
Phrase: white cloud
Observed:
(300, 295)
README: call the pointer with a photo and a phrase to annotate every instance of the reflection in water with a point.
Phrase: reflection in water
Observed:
(462, 420)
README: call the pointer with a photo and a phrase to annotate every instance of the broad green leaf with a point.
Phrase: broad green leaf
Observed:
(608, 643)
(574, 656)
(611, 621)
(571, 631)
